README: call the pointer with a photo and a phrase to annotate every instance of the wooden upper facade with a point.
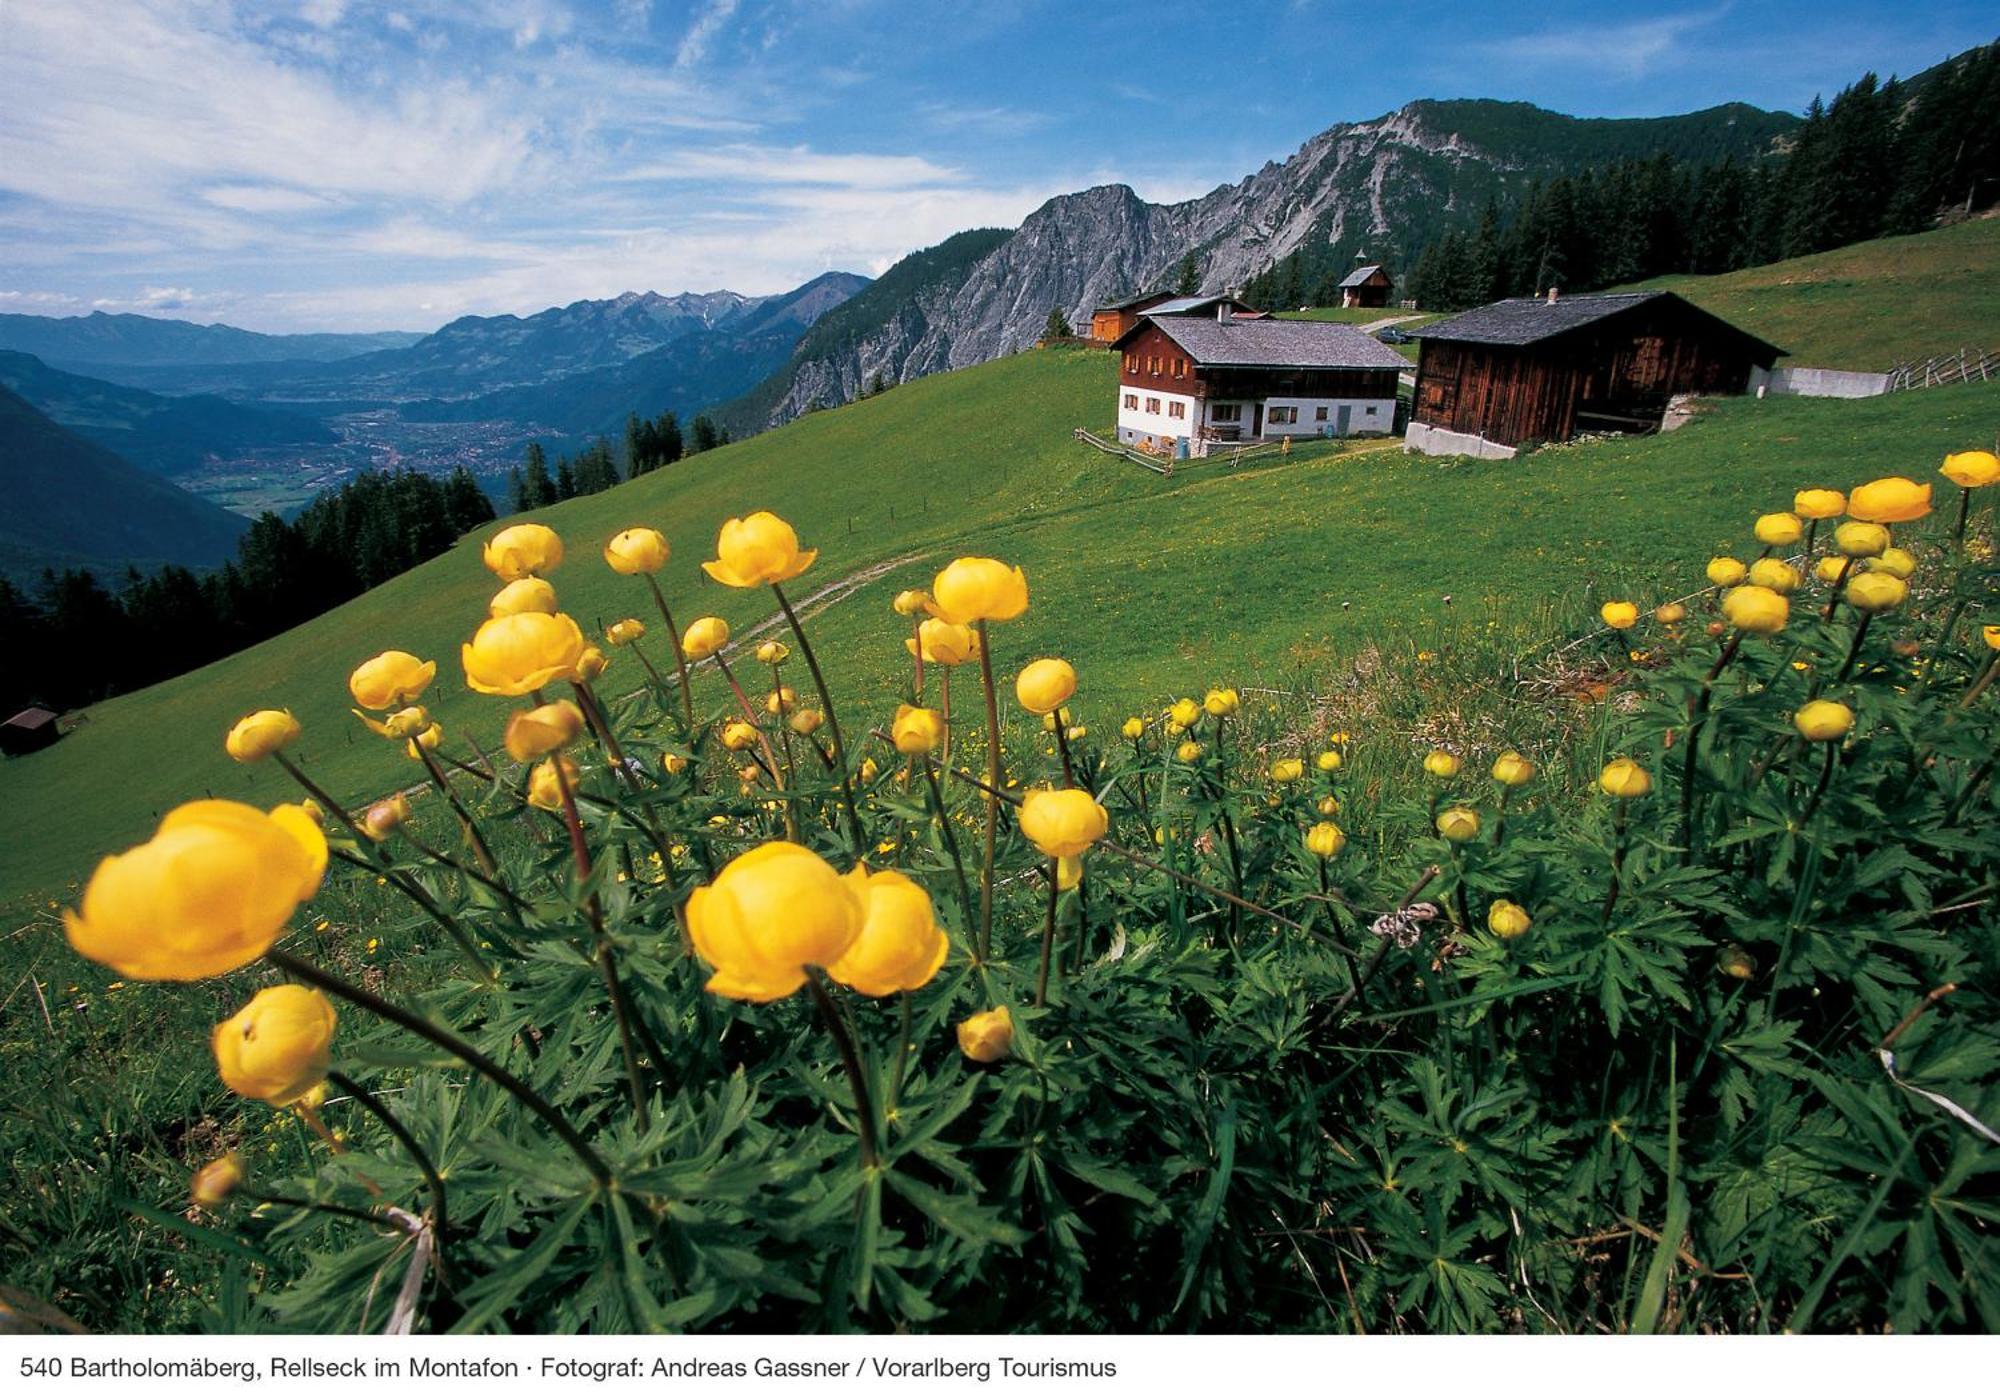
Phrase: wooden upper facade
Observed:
(1544, 370)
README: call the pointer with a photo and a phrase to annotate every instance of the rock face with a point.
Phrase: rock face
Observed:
(1381, 188)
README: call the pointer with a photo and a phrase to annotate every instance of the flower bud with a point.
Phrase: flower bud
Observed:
(1779, 529)
(782, 700)
(1439, 763)
(261, 734)
(1184, 712)
(385, 817)
(806, 721)
(1328, 760)
(1221, 703)
(1288, 770)
(1669, 614)
(704, 637)
(1900, 563)
(737, 735)
(1624, 779)
(1860, 540)
(1507, 919)
(1045, 686)
(1726, 572)
(917, 731)
(1736, 961)
(1775, 574)
(912, 602)
(625, 631)
(773, 652)
(1326, 840)
(1822, 721)
(1876, 592)
(988, 1037)
(1327, 806)
(1510, 769)
(536, 733)
(1134, 729)
(1831, 568)
(1458, 823)
(1619, 615)
(545, 787)
(1188, 751)
(217, 1181)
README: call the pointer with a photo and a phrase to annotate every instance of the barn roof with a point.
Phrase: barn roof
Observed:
(1361, 274)
(1126, 303)
(1528, 320)
(1188, 305)
(31, 718)
(1274, 344)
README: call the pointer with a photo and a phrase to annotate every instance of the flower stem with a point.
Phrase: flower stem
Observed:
(832, 723)
(984, 946)
(1617, 860)
(1854, 651)
(481, 851)
(950, 839)
(680, 656)
(380, 1112)
(453, 1045)
(1825, 778)
(1048, 935)
(850, 1060)
(1697, 716)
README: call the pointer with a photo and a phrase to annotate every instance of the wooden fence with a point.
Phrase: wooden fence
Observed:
(1939, 370)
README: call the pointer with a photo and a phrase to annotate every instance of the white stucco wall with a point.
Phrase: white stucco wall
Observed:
(1135, 423)
(1362, 419)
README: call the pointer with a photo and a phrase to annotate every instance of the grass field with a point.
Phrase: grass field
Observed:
(1151, 585)
(1871, 305)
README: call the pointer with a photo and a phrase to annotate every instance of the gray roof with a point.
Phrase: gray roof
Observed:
(1361, 274)
(1278, 344)
(1181, 305)
(1126, 302)
(31, 718)
(1526, 320)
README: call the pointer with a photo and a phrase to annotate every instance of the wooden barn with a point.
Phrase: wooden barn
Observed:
(1113, 319)
(27, 731)
(1368, 285)
(1543, 369)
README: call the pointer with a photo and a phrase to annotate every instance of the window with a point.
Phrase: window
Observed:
(1152, 405)
(1132, 400)
(1225, 413)
(1282, 415)
(1177, 409)
(1180, 367)
(1152, 364)
(1131, 364)
(1371, 410)
(1319, 414)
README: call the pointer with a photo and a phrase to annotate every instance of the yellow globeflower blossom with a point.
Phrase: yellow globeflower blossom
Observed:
(1991, 636)
(738, 735)
(217, 1181)
(1669, 614)
(390, 679)
(1065, 822)
(519, 551)
(1822, 721)
(1775, 574)
(1971, 469)
(917, 731)
(1044, 686)
(759, 548)
(1510, 769)
(516, 654)
(1860, 540)
(1899, 562)
(1328, 806)
(1726, 572)
(900, 947)
(1507, 919)
(591, 664)
(773, 652)
(1893, 500)
(536, 733)
(770, 914)
(1188, 751)
(523, 595)
(782, 700)
(1326, 840)
(806, 721)
(944, 643)
(1288, 770)
(704, 637)
(1625, 779)
(210, 892)
(1619, 615)
(1184, 712)
(624, 631)
(980, 590)
(1736, 961)
(1458, 823)
(1780, 528)
(407, 722)
(544, 789)
(1755, 609)
(912, 602)
(278, 1047)
(1221, 702)
(988, 1037)
(1831, 568)
(387, 816)
(637, 550)
(259, 735)
(1819, 504)
(1439, 763)
(1876, 592)
(1133, 728)
(430, 738)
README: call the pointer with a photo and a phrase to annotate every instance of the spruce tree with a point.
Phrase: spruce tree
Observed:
(1057, 326)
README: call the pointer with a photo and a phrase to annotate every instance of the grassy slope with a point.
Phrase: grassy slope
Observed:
(1151, 585)
(1871, 305)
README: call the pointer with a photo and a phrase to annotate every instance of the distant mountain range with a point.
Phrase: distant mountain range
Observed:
(135, 341)
(1382, 188)
(72, 503)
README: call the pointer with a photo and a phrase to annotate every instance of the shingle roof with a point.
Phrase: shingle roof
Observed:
(1278, 344)
(1182, 305)
(1527, 320)
(31, 718)
(1360, 275)
(1124, 303)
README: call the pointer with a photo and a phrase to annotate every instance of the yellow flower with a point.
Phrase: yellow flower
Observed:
(390, 679)
(1288, 770)
(1326, 840)
(544, 788)
(769, 915)
(1821, 721)
(760, 548)
(1510, 769)
(523, 595)
(1775, 574)
(1044, 686)
(673, 764)
(1893, 500)
(900, 947)
(1069, 872)
(259, 735)
(1065, 822)
(521, 550)
(407, 722)
(536, 733)
(624, 631)
(867, 772)
(638, 550)
(1507, 919)
(516, 654)
(1458, 823)
(944, 643)
(737, 735)
(1860, 540)
(207, 894)
(277, 1047)
(1819, 504)
(1726, 572)
(1991, 636)
(1328, 806)
(1892, 560)
(704, 637)
(1736, 961)
(217, 1181)
(1972, 469)
(1754, 609)
(1185, 712)
(916, 731)
(1669, 613)
(1439, 763)
(1619, 615)
(1328, 760)
(911, 602)
(1780, 528)
(1876, 592)
(430, 738)
(1221, 703)
(782, 700)
(1133, 728)
(1625, 779)
(385, 817)
(1831, 568)
(1188, 751)
(980, 590)
(988, 1037)
(773, 652)
(806, 721)
(591, 664)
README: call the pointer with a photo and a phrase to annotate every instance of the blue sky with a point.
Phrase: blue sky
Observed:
(372, 164)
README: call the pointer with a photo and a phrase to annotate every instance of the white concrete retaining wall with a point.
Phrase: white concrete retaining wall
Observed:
(1818, 383)
(1442, 442)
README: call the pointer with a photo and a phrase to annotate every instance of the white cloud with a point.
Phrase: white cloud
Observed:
(263, 199)
(1630, 47)
(709, 23)
(794, 165)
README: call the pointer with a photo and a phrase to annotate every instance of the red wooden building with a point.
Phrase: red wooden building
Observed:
(1543, 369)
(1113, 319)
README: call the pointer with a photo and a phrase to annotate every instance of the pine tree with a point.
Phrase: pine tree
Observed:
(538, 491)
(1057, 326)
(702, 435)
(565, 480)
(667, 445)
(1187, 280)
(466, 505)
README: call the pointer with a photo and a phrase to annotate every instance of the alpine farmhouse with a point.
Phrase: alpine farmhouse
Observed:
(1200, 371)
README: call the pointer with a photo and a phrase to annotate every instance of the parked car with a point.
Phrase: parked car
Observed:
(1392, 336)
